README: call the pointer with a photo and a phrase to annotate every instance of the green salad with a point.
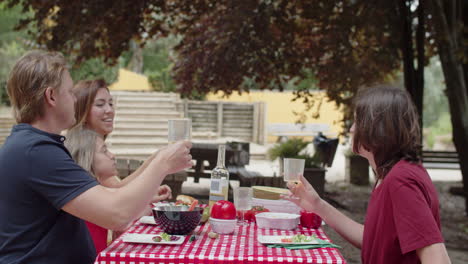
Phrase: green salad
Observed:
(165, 236)
(303, 238)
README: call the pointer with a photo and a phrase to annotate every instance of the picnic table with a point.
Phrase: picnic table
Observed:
(240, 247)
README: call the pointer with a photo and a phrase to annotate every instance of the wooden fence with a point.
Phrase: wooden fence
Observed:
(246, 121)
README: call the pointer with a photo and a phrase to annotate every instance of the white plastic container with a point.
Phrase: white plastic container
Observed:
(282, 221)
(223, 226)
(279, 206)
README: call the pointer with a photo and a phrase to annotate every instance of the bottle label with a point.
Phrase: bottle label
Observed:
(215, 198)
(218, 186)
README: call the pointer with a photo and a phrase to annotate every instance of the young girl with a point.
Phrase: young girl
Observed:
(89, 150)
(402, 224)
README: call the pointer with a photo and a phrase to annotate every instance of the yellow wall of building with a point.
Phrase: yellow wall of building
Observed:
(281, 108)
(131, 81)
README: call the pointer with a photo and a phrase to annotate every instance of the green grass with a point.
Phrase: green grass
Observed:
(443, 126)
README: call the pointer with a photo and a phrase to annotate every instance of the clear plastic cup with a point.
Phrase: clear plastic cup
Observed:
(179, 129)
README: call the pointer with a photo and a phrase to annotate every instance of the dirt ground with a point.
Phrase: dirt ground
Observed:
(352, 200)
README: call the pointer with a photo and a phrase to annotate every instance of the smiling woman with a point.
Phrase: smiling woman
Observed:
(101, 116)
(94, 107)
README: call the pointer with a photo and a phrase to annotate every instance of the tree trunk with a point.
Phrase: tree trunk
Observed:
(407, 47)
(413, 76)
(136, 62)
(420, 42)
(450, 41)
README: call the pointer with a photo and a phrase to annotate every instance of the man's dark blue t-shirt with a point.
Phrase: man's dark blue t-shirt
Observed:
(37, 178)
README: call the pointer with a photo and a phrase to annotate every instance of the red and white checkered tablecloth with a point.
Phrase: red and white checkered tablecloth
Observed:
(240, 247)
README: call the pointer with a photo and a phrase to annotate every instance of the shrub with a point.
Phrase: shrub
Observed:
(292, 148)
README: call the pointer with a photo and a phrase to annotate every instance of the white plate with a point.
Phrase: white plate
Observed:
(277, 240)
(147, 220)
(148, 239)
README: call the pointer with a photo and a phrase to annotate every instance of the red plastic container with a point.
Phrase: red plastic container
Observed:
(310, 219)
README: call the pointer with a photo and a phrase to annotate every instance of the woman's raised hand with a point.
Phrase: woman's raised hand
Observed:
(175, 157)
(303, 194)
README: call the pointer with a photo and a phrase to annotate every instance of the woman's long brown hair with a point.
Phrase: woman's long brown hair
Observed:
(85, 92)
(386, 124)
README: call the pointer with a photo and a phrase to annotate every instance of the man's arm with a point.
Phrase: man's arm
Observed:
(115, 209)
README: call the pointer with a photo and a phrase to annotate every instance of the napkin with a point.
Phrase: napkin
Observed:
(321, 244)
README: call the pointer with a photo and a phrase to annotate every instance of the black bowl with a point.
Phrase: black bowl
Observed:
(176, 220)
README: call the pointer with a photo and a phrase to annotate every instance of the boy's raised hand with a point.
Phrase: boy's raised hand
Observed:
(303, 194)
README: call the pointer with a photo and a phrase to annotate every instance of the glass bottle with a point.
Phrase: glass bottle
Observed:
(219, 186)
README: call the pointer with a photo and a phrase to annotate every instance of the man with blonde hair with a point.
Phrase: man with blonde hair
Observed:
(44, 193)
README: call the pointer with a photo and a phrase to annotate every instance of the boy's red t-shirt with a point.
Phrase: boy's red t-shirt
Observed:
(402, 216)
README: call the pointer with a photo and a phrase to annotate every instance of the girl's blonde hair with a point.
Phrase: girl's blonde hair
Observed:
(81, 143)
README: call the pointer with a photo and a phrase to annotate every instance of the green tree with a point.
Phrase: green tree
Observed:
(12, 44)
(157, 64)
(9, 17)
(9, 53)
(435, 101)
(95, 68)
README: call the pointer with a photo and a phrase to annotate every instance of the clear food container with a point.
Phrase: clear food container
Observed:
(273, 220)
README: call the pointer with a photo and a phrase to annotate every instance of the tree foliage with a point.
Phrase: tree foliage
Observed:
(94, 68)
(435, 101)
(344, 44)
(158, 63)
(12, 45)
(90, 29)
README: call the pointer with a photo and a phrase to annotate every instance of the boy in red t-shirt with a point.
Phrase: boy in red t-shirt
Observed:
(402, 224)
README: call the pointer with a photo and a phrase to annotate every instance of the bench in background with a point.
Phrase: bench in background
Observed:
(440, 159)
(285, 130)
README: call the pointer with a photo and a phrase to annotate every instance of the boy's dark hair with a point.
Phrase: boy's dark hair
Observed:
(386, 124)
